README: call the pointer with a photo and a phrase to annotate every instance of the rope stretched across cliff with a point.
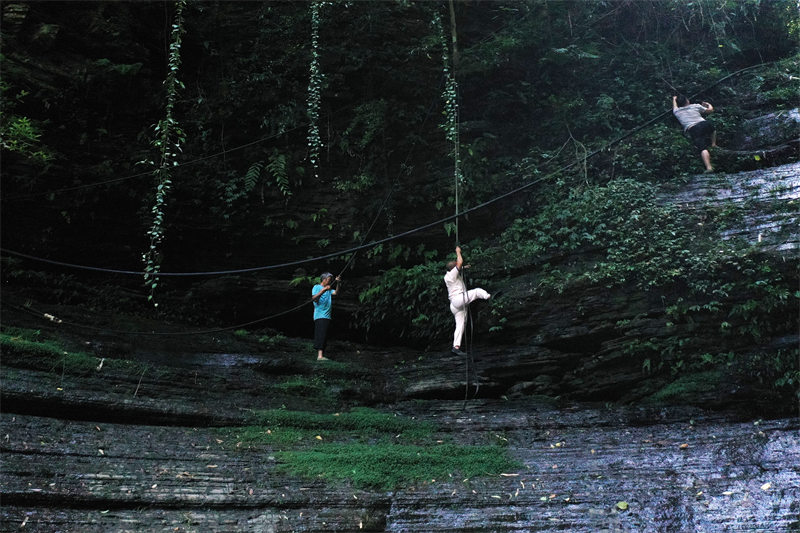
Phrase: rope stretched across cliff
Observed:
(412, 231)
(352, 250)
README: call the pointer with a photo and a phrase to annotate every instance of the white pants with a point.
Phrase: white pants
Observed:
(458, 306)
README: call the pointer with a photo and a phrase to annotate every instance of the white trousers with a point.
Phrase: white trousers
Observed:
(458, 306)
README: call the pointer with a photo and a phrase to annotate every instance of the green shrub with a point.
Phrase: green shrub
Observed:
(413, 296)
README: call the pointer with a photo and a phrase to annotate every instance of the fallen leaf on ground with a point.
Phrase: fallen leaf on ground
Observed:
(622, 506)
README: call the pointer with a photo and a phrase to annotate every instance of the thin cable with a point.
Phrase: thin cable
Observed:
(369, 230)
(455, 159)
(150, 172)
(471, 355)
(393, 237)
(667, 112)
(392, 186)
(352, 257)
(468, 344)
(185, 164)
(350, 260)
(54, 319)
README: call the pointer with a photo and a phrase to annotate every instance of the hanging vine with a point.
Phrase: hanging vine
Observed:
(168, 139)
(450, 124)
(314, 89)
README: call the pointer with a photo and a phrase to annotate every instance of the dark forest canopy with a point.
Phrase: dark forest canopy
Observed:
(531, 76)
(540, 85)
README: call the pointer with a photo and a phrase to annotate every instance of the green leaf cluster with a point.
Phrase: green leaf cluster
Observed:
(413, 297)
(20, 134)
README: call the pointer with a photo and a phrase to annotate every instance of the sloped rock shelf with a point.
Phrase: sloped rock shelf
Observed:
(677, 469)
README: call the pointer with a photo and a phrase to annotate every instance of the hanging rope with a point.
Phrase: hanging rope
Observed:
(56, 320)
(452, 129)
(401, 235)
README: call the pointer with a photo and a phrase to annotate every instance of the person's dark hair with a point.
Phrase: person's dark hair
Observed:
(682, 100)
(450, 265)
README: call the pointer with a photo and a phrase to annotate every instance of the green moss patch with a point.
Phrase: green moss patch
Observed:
(304, 385)
(367, 447)
(361, 419)
(388, 466)
(25, 349)
(20, 350)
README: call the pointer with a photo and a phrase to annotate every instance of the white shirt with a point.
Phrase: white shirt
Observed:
(455, 285)
(689, 115)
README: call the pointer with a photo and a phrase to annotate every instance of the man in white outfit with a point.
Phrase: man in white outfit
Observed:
(460, 298)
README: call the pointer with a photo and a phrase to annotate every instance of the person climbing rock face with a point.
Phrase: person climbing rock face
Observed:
(460, 298)
(699, 130)
(322, 296)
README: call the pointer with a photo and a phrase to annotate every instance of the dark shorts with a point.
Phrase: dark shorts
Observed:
(321, 333)
(701, 135)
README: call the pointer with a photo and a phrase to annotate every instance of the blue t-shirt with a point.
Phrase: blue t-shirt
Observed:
(322, 307)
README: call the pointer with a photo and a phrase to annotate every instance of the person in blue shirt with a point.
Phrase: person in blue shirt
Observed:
(322, 296)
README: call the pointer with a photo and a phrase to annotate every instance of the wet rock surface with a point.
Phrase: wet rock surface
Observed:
(104, 451)
(769, 130)
(137, 441)
(761, 191)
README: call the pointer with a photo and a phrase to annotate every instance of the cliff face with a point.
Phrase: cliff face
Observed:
(619, 341)
(148, 434)
(170, 435)
(580, 343)
(639, 370)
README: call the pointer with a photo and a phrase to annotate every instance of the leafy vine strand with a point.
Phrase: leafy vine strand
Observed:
(314, 89)
(450, 124)
(168, 139)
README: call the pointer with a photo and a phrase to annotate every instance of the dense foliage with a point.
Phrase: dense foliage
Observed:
(245, 114)
(307, 127)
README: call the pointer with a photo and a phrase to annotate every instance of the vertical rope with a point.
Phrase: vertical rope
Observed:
(450, 98)
(455, 169)
(451, 127)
